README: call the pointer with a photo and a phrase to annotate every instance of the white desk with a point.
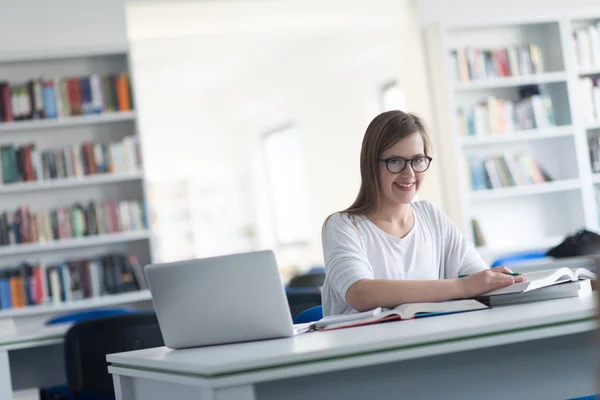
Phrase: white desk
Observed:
(539, 350)
(31, 357)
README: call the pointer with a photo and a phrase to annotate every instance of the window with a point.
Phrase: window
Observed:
(287, 185)
(392, 97)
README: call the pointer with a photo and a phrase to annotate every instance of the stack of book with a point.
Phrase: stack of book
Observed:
(496, 115)
(505, 171)
(26, 163)
(31, 284)
(472, 64)
(587, 45)
(78, 220)
(42, 98)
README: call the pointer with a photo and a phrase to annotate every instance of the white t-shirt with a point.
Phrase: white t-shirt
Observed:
(355, 248)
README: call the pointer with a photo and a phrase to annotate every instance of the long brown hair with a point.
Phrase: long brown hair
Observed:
(382, 133)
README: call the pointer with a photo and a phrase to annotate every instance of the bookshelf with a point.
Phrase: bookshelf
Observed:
(522, 127)
(83, 304)
(507, 82)
(73, 244)
(589, 71)
(525, 135)
(67, 121)
(72, 186)
(525, 190)
(593, 125)
(72, 182)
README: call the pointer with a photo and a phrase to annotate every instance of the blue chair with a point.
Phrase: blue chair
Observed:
(515, 258)
(310, 315)
(86, 315)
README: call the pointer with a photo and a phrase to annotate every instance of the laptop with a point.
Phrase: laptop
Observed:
(218, 300)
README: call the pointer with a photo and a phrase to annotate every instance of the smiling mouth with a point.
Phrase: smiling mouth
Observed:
(405, 186)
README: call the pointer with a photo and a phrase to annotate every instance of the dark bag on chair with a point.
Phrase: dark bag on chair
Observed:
(582, 243)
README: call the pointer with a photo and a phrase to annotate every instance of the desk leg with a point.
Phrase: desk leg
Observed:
(123, 386)
(5, 379)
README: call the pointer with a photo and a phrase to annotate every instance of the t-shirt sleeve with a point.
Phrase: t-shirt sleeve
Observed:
(460, 257)
(345, 259)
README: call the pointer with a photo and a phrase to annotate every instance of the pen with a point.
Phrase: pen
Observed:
(506, 273)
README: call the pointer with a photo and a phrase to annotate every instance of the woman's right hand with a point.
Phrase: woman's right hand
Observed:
(484, 281)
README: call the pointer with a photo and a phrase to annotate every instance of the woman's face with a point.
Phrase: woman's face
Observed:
(402, 187)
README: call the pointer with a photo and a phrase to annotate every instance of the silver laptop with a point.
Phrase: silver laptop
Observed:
(226, 299)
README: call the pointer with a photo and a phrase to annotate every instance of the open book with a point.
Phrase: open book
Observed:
(402, 312)
(541, 279)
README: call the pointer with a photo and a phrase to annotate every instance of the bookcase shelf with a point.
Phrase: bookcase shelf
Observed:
(592, 125)
(512, 81)
(83, 124)
(74, 243)
(517, 136)
(43, 55)
(80, 304)
(74, 182)
(478, 90)
(589, 71)
(64, 122)
(526, 190)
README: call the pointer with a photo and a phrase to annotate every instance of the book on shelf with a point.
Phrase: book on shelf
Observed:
(594, 152)
(32, 284)
(474, 64)
(51, 98)
(478, 237)
(401, 312)
(27, 163)
(590, 98)
(75, 221)
(586, 43)
(505, 170)
(494, 116)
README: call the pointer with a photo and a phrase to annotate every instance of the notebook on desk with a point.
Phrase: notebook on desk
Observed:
(401, 312)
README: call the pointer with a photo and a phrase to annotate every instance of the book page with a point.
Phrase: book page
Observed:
(583, 273)
(335, 319)
(536, 280)
(410, 310)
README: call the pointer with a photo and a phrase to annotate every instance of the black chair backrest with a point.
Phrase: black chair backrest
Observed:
(312, 280)
(87, 344)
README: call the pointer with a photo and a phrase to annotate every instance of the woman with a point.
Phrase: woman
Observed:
(385, 249)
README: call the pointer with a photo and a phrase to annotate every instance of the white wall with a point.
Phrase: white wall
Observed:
(49, 27)
(329, 88)
(238, 80)
(478, 11)
(196, 120)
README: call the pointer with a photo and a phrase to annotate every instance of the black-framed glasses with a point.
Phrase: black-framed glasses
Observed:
(398, 164)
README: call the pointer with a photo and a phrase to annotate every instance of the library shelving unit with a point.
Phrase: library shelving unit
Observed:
(70, 141)
(516, 105)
